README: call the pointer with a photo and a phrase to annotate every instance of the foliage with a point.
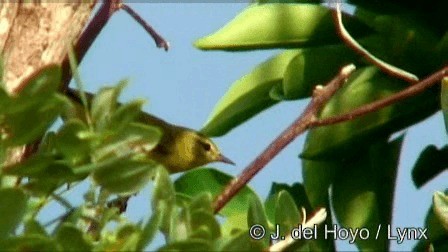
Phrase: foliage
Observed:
(357, 160)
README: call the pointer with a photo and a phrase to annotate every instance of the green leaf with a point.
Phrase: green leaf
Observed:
(234, 107)
(317, 178)
(149, 230)
(125, 175)
(206, 219)
(287, 216)
(440, 202)
(242, 242)
(13, 203)
(313, 66)
(436, 232)
(128, 237)
(164, 198)
(44, 168)
(43, 82)
(431, 162)
(214, 181)
(136, 137)
(190, 245)
(42, 115)
(70, 145)
(70, 238)
(41, 187)
(32, 226)
(348, 139)
(29, 243)
(263, 26)
(406, 40)
(202, 202)
(257, 216)
(363, 192)
(104, 104)
(126, 114)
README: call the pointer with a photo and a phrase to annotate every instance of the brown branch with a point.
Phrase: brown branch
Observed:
(320, 96)
(87, 37)
(355, 46)
(377, 105)
(160, 41)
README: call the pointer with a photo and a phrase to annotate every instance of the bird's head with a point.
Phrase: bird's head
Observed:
(202, 149)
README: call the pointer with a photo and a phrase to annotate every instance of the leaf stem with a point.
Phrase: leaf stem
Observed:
(321, 95)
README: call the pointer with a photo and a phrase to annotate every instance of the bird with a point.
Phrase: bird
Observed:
(179, 149)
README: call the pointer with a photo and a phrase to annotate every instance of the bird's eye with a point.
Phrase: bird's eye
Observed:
(206, 146)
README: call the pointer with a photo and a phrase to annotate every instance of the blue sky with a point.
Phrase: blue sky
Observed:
(183, 85)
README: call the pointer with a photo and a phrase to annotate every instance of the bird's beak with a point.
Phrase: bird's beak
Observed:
(225, 159)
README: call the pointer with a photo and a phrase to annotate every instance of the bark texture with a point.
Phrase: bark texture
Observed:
(36, 34)
(33, 35)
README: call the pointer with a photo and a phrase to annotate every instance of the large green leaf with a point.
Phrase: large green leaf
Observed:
(275, 26)
(363, 192)
(214, 181)
(248, 96)
(404, 41)
(349, 138)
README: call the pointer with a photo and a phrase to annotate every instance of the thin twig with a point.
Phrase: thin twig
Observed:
(351, 42)
(379, 104)
(160, 41)
(320, 96)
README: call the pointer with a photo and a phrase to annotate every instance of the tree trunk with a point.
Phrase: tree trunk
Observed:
(33, 35)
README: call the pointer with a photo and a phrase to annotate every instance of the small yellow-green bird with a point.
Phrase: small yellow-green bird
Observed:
(180, 149)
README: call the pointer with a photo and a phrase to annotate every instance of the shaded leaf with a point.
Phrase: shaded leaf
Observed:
(72, 239)
(431, 162)
(13, 203)
(257, 216)
(287, 215)
(69, 143)
(29, 243)
(363, 191)
(124, 175)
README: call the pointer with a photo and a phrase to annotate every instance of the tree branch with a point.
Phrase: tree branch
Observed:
(87, 37)
(379, 104)
(321, 95)
(160, 41)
